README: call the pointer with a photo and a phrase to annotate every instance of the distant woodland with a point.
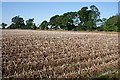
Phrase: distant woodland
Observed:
(83, 20)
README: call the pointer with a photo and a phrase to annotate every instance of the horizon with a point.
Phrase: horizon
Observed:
(41, 11)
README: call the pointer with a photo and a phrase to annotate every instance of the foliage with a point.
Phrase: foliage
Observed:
(84, 20)
(17, 23)
(3, 25)
(30, 24)
(111, 24)
(89, 18)
(44, 25)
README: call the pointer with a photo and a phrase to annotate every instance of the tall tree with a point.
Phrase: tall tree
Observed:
(69, 20)
(89, 18)
(84, 17)
(94, 15)
(18, 22)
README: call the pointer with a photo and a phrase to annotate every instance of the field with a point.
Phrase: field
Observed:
(59, 54)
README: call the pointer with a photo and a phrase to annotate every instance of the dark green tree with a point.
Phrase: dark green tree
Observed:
(3, 25)
(102, 24)
(84, 17)
(69, 20)
(66, 21)
(34, 26)
(103, 20)
(55, 22)
(18, 23)
(30, 24)
(94, 15)
(89, 18)
(44, 25)
(111, 24)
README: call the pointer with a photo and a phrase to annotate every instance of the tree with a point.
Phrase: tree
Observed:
(103, 21)
(29, 23)
(89, 25)
(118, 22)
(101, 24)
(34, 26)
(83, 15)
(94, 15)
(89, 18)
(3, 25)
(55, 21)
(18, 22)
(44, 25)
(111, 24)
(69, 20)
(66, 21)
(84, 19)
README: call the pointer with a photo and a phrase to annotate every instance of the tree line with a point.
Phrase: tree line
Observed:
(18, 23)
(86, 19)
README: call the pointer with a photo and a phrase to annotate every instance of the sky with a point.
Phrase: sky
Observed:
(41, 11)
(60, 0)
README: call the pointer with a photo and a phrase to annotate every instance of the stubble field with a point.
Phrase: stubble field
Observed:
(58, 54)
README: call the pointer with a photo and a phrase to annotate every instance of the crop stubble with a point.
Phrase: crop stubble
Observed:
(58, 54)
